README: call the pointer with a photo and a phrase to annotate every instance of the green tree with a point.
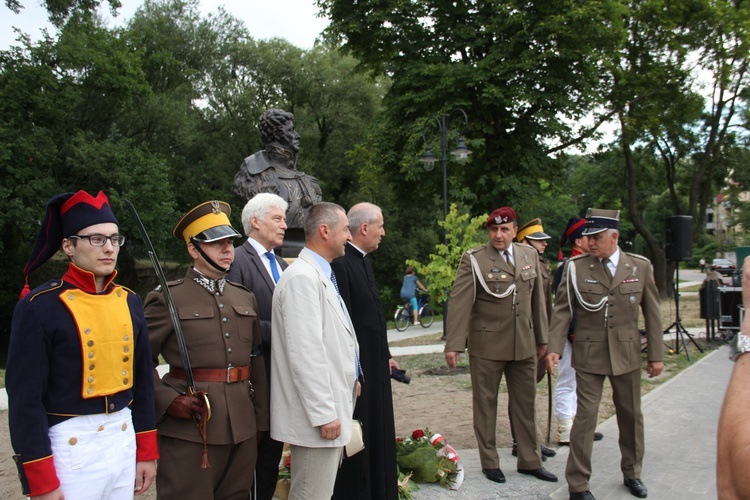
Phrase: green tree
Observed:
(462, 232)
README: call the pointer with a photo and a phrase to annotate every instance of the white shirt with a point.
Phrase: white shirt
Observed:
(261, 250)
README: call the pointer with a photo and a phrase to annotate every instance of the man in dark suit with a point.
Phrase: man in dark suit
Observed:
(372, 472)
(497, 309)
(603, 291)
(258, 269)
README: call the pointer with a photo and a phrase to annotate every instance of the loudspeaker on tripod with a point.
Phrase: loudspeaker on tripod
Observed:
(678, 237)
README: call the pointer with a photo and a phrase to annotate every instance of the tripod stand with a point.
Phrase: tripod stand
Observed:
(680, 331)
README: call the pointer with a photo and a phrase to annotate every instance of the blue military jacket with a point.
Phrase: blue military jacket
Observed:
(65, 360)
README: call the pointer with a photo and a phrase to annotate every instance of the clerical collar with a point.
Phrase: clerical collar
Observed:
(359, 249)
(284, 152)
(210, 284)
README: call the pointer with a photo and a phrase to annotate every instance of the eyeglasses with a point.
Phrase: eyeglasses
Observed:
(99, 240)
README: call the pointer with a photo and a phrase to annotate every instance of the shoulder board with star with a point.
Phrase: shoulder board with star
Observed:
(641, 257)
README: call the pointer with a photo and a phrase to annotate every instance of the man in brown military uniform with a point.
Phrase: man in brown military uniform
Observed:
(604, 289)
(222, 333)
(497, 309)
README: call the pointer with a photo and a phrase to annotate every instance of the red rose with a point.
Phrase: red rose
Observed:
(419, 433)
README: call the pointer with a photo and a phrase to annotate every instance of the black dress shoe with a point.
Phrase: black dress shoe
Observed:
(494, 475)
(542, 474)
(514, 452)
(582, 495)
(636, 486)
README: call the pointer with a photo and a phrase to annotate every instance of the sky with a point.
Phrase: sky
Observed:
(294, 20)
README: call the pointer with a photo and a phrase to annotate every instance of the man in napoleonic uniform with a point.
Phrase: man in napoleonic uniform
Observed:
(80, 394)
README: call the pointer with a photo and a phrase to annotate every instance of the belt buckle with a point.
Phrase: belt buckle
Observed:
(229, 374)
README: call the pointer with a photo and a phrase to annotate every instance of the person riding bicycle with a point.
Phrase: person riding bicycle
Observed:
(408, 290)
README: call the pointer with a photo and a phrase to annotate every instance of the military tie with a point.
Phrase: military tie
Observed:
(274, 266)
(605, 262)
(508, 258)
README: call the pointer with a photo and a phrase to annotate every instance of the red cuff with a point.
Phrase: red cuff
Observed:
(41, 476)
(147, 447)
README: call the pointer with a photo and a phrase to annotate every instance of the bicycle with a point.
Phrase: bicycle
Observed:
(403, 316)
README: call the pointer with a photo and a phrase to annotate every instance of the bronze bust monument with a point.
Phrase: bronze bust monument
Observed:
(274, 170)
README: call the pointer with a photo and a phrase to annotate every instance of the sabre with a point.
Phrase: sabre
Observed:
(172, 313)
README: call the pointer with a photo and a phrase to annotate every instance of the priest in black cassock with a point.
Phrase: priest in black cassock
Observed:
(370, 474)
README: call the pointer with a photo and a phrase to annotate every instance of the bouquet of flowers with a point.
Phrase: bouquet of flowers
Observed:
(429, 459)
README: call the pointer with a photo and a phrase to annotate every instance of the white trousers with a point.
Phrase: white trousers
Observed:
(94, 456)
(565, 389)
(313, 472)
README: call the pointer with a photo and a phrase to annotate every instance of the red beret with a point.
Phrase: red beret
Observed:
(502, 215)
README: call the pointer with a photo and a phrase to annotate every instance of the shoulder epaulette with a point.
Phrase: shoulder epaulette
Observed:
(475, 249)
(127, 289)
(47, 287)
(579, 256)
(521, 244)
(170, 283)
(638, 256)
(238, 285)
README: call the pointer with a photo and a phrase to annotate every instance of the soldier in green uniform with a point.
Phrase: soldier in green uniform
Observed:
(604, 290)
(497, 309)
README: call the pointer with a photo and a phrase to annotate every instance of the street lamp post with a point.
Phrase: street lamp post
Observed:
(428, 159)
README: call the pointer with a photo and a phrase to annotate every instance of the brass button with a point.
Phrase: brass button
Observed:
(124, 373)
(126, 349)
(87, 331)
(91, 379)
(71, 296)
(124, 427)
(119, 293)
(221, 306)
(90, 390)
(91, 355)
(92, 366)
(224, 320)
(111, 406)
(125, 382)
(229, 350)
(226, 335)
(126, 338)
(90, 343)
(125, 359)
(196, 315)
(73, 441)
(100, 429)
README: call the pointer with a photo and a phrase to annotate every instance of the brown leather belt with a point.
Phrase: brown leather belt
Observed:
(229, 375)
